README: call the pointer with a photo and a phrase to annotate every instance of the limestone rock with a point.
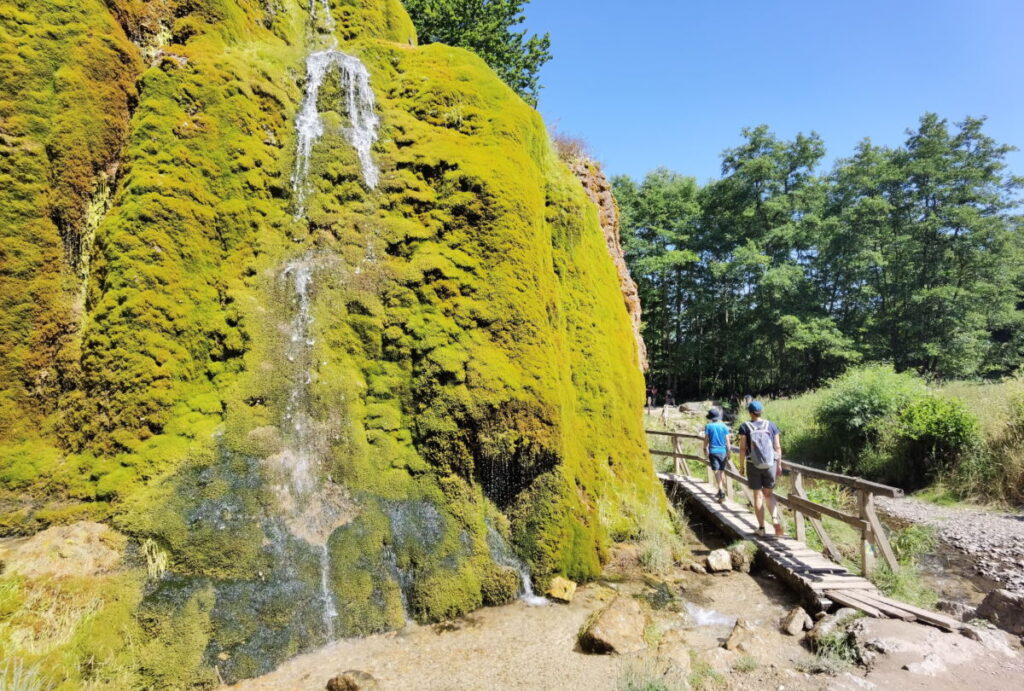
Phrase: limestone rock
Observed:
(599, 190)
(796, 621)
(698, 568)
(675, 648)
(742, 557)
(80, 549)
(352, 680)
(618, 628)
(719, 560)
(992, 639)
(1005, 610)
(958, 610)
(828, 624)
(561, 589)
(741, 637)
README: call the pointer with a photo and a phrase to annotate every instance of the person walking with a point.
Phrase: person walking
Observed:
(717, 443)
(761, 455)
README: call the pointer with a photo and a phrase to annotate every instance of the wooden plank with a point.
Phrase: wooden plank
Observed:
(847, 480)
(887, 609)
(798, 516)
(880, 537)
(818, 510)
(680, 435)
(828, 586)
(927, 616)
(867, 552)
(671, 454)
(844, 597)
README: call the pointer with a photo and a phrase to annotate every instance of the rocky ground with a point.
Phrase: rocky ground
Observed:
(994, 540)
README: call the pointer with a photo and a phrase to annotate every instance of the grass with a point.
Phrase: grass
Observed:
(650, 673)
(746, 664)
(703, 675)
(14, 676)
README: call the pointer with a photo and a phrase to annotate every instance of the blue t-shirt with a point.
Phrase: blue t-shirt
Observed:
(716, 433)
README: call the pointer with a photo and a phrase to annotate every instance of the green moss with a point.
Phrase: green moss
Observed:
(471, 358)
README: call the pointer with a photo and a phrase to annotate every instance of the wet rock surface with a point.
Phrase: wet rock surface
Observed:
(561, 589)
(994, 539)
(618, 628)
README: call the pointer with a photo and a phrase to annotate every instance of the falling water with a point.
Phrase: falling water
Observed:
(360, 106)
(502, 554)
(311, 506)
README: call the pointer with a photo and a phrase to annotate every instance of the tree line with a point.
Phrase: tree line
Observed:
(777, 277)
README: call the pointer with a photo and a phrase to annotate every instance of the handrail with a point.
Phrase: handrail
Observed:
(803, 508)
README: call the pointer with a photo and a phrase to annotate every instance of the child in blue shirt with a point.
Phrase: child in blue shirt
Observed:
(717, 445)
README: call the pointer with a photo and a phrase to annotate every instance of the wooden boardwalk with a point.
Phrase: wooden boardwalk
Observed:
(821, 583)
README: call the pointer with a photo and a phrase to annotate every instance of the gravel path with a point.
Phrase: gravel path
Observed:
(995, 540)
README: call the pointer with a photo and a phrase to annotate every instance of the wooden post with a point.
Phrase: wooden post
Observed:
(798, 516)
(819, 528)
(681, 468)
(728, 481)
(878, 532)
(867, 552)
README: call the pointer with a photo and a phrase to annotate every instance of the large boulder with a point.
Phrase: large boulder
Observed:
(618, 628)
(719, 560)
(1005, 610)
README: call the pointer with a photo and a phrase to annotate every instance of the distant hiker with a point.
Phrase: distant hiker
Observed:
(652, 392)
(761, 454)
(717, 442)
(670, 400)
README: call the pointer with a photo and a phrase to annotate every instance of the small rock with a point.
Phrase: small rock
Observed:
(352, 680)
(698, 568)
(796, 621)
(561, 589)
(828, 624)
(958, 610)
(742, 557)
(719, 560)
(741, 634)
(618, 628)
(1005, 610)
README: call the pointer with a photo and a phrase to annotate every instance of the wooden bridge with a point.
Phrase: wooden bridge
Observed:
(821, 581)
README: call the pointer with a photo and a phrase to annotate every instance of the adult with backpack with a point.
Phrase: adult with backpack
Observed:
(761, 455)
(717, 443)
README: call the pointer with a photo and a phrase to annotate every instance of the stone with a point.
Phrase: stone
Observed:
(352, 680)
(719, 560)
(828, 624)
(992, 639)
(618, 628)
(597, 187)
(675, 648)
(696, 407)
(958, 610)
(561, 589)
(741, 636)
(742, 557)
(796, 621)
(1005, 610)
(80, 549)
(698, 568)
(720, 659)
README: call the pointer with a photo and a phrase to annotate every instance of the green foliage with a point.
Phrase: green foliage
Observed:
(862, 405)
(777, 277)
(649, 673)
(486, 27)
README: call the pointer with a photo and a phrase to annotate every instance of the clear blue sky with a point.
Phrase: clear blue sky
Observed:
(651, 83)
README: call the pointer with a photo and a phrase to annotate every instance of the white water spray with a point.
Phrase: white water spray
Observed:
(360, 106)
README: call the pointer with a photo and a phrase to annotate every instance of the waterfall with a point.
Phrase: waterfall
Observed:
(311, 506)
(360, 107)
(502, 554)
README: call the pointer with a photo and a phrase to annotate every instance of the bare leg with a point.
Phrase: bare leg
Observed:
(773, 511)
(759, 507)
(720, 477)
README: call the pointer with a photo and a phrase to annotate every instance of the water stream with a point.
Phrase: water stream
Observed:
(502, 554)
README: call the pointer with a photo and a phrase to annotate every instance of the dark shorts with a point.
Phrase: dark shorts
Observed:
(717, 461)
(761, 478)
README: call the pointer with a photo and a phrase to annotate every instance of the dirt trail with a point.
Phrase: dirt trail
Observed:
(993, 539)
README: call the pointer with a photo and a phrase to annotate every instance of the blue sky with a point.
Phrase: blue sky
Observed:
(671, 83)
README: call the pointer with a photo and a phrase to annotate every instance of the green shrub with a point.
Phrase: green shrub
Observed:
(854, 408)
(935, 434)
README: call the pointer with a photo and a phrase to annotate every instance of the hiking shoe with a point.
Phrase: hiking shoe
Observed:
(760, 531)
(720, 496)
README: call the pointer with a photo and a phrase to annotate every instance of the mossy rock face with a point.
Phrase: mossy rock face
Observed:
(465, 361)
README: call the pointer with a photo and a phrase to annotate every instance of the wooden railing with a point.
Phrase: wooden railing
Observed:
(872, 534)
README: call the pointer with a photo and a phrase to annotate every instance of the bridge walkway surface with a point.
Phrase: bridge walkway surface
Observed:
(821, 582)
